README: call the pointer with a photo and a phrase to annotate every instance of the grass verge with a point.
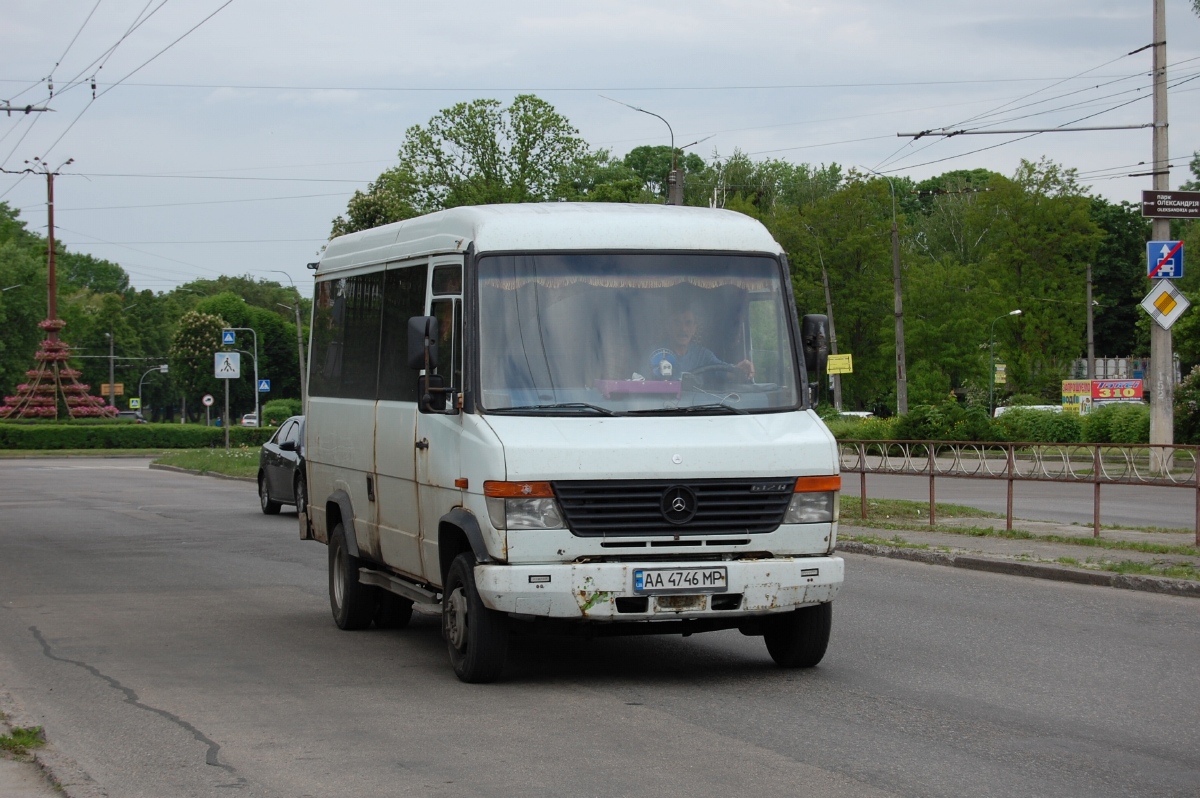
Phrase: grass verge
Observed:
(19, 453)
(21, 740)
(899, 514)
(241, 461)
(1167, 569)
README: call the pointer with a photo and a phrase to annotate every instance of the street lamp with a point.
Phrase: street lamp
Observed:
(992, 355)
(299, 343)
(163, 368)
(112, 388)
(675, 182)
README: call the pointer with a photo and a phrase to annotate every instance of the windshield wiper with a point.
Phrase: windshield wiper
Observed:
(691, 409)
(604, 411)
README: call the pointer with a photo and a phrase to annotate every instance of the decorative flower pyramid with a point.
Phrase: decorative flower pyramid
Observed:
(53, 378)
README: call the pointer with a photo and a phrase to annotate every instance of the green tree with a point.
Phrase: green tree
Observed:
(1040, 242)
(470, 154)
(195, 341)
(1118, 276)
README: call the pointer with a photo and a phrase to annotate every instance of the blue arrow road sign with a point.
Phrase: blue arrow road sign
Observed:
(1164, 260)
(228, 337)
(264, 386)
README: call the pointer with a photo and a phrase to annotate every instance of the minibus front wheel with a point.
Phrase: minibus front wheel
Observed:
(353, 603)
(476, 637)
(798, 639)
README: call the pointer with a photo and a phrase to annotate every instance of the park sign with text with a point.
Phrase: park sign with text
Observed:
(1171, 204)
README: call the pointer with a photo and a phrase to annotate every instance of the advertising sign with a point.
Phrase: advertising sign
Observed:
(840, 364)
(1077, 396)
(1107, 390)
(1000, 375)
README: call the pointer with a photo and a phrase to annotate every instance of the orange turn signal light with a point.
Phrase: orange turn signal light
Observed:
(818, 484)
(518, 490)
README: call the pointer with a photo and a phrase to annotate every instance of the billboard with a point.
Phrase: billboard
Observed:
(1109, 390)
(1077, 396)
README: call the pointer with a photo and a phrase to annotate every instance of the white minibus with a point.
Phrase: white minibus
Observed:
(570, 417)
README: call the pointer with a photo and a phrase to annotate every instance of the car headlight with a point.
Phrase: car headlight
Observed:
(522, 505)
(815, 501)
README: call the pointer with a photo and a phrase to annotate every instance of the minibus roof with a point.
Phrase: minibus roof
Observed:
(551, 226)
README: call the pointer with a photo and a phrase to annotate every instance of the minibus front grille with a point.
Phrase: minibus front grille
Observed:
(597, 508)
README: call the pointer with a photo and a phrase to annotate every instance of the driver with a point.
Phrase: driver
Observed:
(688, 355)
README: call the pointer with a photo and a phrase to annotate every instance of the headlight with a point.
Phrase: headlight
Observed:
(815, 501)
(522, 505)
(812, 508)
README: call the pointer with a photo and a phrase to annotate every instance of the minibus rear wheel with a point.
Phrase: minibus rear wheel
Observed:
(798, 639)
(353, 603)
(476, 637)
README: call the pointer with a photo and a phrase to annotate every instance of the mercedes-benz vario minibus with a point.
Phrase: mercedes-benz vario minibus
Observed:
(570, 416)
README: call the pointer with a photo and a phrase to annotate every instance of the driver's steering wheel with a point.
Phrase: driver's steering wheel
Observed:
(718, 375)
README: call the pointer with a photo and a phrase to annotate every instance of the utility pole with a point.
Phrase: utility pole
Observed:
(901, 371)
(1091, 338)
(1162, 383)
(112, 388)
(837, 378)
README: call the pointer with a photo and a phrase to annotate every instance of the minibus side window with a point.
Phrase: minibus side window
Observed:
(404, 297)
(346, 337)
(447, 280)
(449, 315)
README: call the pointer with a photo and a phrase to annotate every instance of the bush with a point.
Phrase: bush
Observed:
(1041, 426)
(125, 436)
(1125, 422)
(948, 422)
(276, 411)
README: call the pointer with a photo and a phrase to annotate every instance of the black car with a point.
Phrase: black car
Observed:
(281, 468)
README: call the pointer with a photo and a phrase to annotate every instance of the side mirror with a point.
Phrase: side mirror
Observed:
(422, 342)
(814, 338)
(287, 446)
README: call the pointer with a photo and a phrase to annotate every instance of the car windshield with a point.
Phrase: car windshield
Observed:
(625, 333)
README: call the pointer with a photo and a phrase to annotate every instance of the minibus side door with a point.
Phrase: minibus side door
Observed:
(399, 522)
(439, 436)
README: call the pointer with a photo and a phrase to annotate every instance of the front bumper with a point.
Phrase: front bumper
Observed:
(590, 591)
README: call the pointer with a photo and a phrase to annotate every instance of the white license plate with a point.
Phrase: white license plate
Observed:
(680, 580)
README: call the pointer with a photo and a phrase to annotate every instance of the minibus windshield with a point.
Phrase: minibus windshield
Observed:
(634, 334)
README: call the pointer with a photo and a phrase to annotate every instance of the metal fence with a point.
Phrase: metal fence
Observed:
(1080, 463)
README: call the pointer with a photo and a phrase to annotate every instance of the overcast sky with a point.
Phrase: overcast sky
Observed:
(295, 104)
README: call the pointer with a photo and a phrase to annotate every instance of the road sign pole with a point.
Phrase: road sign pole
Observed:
(1162, 366)
(226, 424)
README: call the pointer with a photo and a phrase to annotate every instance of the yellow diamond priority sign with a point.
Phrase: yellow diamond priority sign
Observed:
(1165, 303)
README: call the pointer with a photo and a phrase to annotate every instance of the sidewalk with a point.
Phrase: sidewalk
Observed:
(1041, 559)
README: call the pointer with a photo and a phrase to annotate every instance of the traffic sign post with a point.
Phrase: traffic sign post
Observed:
(264, 386)
(1165, 303)
(1164, 260)
(227, 366)
(228, 337)
(207, 401)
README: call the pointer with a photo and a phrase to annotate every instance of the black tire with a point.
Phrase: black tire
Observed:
(269, 506)
(300, 493)
(352, 602)
(476, 637)
(392, 612)
(799, 638)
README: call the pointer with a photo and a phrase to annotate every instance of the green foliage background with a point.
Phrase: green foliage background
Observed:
(974, 244)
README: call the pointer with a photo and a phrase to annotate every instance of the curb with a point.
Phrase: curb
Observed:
(62, 773)
(178, 470)
(1058, 573)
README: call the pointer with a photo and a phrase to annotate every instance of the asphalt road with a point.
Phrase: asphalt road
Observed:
(1121, 505)
(175, 642)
